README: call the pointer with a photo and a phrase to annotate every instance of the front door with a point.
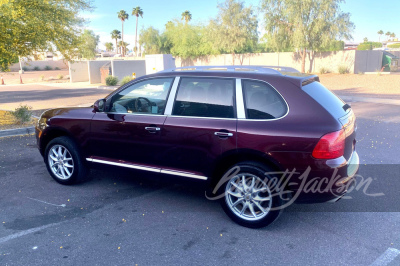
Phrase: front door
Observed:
(130, 131)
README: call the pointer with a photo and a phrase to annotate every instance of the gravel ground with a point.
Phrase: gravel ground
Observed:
(34, 76)
(367, 85)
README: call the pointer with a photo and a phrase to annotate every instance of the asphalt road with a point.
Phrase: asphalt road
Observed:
(128, 218)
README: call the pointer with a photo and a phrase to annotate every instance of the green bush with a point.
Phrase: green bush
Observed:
(125, 80)
(369, 46)
(22, 114)
(56, 68)
(323, 70)
(59, 76)
(111, 81)
(343, 70)
(395, 45)
(25, 68)
(48, 68)
(36, 68)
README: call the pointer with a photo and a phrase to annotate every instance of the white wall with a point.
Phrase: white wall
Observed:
(41, 64)
(78, 71)
(123, 68)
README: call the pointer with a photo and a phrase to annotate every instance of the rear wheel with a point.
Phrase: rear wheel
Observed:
(248, 198)
(64, 161)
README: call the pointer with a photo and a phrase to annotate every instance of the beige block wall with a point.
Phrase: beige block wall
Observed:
(328, 60)
(78, 71)
(41, 64)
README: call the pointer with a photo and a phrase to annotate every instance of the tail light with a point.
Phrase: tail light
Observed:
(330, 146)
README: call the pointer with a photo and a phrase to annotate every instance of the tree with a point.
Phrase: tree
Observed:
(365, 39)
(306, 25)
(88, 44)
(186, 16)
(109, 46)
(123, 45)
(137, 12)
(122, 15)
(380, 33)
(235, 28)
(392, 35)
(33, 26)
(388, 35)
(115, 35)
(150, 40)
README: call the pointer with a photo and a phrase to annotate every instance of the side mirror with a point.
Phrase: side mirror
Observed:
(99, 105)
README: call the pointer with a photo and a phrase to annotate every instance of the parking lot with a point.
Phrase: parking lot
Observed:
(127, 217)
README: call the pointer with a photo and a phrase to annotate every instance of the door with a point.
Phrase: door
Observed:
(202, 125)
(130, 131)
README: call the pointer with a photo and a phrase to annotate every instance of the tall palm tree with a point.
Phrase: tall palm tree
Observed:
(392, 35)
(115, 35)
(380, 34)
(123, 46)
(388, 35)
(122, 15)
(137, 11)
(186, 16)
(109, 46)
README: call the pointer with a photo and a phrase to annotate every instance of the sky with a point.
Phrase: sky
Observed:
(369, 16)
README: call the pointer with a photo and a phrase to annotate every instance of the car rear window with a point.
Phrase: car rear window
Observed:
(333, 104)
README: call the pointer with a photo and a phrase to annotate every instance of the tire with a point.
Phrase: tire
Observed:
(63, 150)
(259, 211)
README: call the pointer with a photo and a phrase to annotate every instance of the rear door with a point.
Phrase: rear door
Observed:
(202, 125)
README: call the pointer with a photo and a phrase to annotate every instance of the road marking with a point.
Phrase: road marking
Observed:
(23, 233)
(62, 205)
(384, 259)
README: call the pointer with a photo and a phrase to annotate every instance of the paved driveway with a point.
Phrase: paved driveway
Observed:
(128, 218)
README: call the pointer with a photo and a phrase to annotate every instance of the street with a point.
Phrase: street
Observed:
(128, 217)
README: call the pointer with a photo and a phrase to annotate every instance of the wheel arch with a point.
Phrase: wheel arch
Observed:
(50, 134)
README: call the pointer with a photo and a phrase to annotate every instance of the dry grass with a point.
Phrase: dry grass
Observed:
(7, 121)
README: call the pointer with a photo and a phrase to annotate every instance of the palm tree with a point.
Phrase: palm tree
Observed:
(380, 34)
(122, 15)
(392, 35)
(365, 39)
(186, 16)
(123, 46)
(137, 11)
(115, 35)
(388, 35)
(109, 46)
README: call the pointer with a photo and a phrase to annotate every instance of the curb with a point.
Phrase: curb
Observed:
(369, 100)
(17, 132)
(111, 88)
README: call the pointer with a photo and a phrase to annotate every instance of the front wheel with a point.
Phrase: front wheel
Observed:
(248, 198)
(64, 161)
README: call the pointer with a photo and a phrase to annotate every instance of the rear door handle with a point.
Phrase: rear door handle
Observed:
(223, 134)
(152, 129)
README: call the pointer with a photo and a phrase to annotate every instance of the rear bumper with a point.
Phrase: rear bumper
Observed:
(322, 188)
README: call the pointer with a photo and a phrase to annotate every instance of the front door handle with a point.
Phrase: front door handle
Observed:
(223, 134)
(152, 129)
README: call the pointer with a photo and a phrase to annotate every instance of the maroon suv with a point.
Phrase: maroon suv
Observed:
(262, 137)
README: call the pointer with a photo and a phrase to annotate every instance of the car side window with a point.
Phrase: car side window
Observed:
(262, 101)
(145, 97)
(205, 97)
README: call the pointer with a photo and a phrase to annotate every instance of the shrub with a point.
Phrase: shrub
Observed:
(343, 70)
(42, 77)
(323, 70)
(395, 45)
(125, 80)
(111, 81)
(25, 68)
(48, 68)
(22, 114)
(56, 68)
(59, 76)
(36, 68)
(369, 46)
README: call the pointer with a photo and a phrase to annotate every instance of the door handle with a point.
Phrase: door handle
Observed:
(223, 134)
(152, 129)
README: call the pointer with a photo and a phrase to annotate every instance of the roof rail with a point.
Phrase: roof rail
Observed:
(262, 69)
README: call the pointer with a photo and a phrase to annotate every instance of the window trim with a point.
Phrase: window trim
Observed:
(235, 117)
(245, 107)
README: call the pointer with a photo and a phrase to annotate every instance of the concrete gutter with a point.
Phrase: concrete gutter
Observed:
(369, 100)
(17, 132)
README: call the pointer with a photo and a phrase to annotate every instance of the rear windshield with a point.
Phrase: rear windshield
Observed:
(333, 104)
